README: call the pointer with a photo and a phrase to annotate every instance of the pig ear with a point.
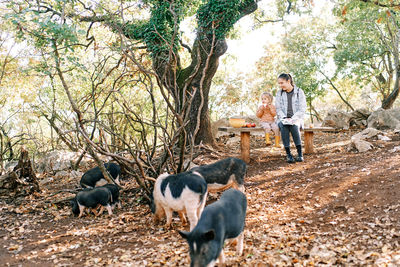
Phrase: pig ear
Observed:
(183, 234)
(210, 235)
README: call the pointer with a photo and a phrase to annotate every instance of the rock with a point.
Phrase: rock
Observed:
(359, 140)
(343, 120)
(361, 113)
(337, 119)
(385, 119)
(395, 149)
(366, 134)
(359, 118)
(383, 137)
(362, 145)
(59, 160)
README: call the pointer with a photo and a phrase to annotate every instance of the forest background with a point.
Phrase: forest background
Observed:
(141, 81)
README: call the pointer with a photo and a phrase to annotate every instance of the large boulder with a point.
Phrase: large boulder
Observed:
(385, 119)
(359, 118)
(344, 120)
(337, 119)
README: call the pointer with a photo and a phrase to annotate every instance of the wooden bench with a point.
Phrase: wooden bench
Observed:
(245, 138)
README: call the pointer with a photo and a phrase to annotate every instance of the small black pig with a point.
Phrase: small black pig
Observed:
(223, 174)
(94, 177)
(115, 195)
(92, 199)
(221, 220)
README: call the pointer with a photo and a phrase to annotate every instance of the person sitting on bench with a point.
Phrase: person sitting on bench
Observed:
(267, 112)
(290, 103)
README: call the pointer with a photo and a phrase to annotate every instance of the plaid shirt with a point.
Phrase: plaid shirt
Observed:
(298, 103)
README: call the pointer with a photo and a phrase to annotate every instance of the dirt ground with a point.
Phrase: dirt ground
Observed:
(339, 207)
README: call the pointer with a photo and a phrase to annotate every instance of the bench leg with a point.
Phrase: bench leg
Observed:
(308, 142)
(245, 146)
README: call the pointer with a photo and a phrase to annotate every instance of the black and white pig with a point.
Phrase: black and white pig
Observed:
(221, 220)
(92, 199)
(223, 174)
(94, 177)
(115, 195)
(183, 192)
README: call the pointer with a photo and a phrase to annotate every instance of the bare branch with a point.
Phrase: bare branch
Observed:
(337, 90)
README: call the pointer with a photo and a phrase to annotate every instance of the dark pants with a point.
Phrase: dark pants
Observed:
(286, 130)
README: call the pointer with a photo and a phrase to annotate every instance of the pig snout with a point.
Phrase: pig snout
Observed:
(204, 256)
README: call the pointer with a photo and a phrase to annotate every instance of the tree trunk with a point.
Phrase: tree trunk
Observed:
(22, 180)
(8, 145)
(387, 103)
(205, 54)
(208, 60)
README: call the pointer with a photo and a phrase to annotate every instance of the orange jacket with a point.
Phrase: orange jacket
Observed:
(266, 114)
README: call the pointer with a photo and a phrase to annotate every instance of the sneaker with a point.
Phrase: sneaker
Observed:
(299, 159)
(290, 159)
